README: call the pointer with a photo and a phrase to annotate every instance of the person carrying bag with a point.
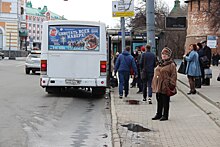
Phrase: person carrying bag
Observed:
(123, 65)
(147, 64)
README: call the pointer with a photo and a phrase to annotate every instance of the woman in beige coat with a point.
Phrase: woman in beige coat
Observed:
(165, 75)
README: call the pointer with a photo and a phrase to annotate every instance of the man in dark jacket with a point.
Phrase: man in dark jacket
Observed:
(207, 52)
(147, 65)
(123, 65)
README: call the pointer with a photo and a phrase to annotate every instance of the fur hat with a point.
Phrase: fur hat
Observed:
(167, 51)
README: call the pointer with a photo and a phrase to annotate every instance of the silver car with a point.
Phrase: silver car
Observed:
(32, 62)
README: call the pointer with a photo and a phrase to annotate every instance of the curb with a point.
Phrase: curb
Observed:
(211, 111)
(202, 95)
(115, 135)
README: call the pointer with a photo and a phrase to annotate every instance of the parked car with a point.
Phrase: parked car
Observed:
(32, 62)
(2, 56)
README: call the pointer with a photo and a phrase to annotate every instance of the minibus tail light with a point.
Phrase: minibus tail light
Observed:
(43, 66)
(103, 68)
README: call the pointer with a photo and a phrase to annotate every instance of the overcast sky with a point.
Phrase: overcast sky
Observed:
(92, 10)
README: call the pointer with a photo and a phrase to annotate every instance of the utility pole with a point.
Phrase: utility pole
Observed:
(9, 50)
(123, 33)
(150, 20)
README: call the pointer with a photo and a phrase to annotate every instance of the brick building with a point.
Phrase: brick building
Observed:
(199, 21)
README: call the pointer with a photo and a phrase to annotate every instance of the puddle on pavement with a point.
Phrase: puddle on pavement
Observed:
(136, 128)
(133, 102)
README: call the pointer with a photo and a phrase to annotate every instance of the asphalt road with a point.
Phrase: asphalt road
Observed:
(29, 117)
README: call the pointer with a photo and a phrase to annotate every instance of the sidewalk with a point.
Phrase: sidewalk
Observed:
(187, 126)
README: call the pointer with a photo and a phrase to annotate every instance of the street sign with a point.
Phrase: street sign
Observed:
(175, 22)
(212, 41)
(126, 33)
(123, 8)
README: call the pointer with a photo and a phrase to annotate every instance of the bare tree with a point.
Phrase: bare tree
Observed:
(138, 23)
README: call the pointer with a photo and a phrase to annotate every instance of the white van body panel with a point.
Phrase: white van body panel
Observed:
(73, 67)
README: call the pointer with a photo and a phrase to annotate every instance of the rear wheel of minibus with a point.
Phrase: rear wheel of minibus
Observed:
(51, 90)
(98, 91)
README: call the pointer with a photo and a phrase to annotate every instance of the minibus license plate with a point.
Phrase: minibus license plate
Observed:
(72, 82)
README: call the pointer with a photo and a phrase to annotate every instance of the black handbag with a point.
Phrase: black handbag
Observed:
(182, 68)
(114, 82)
(204, 61)
(143, 73)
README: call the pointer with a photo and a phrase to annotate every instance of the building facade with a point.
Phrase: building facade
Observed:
(21, 24)
(11, 17)
(35, 18)
(174, 33)
(199, 21)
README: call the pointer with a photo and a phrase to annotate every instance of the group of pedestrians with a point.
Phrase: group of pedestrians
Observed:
(198, 59)
(154, 77)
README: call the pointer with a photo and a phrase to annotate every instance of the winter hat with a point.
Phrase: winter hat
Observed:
(167, 51)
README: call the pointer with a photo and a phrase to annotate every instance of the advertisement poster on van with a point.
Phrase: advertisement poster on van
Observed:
(74, 38)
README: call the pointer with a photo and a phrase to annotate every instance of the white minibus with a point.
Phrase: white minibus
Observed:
(74, 54)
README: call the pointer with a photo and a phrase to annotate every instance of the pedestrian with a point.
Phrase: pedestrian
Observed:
(198, 80)
(165, 75)
(147, 65)
(193, 68)
(116, 56)
(112, 64)
(215, 58)
(207, 53)
(123, 66)
(139, 81)
(135, 55)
